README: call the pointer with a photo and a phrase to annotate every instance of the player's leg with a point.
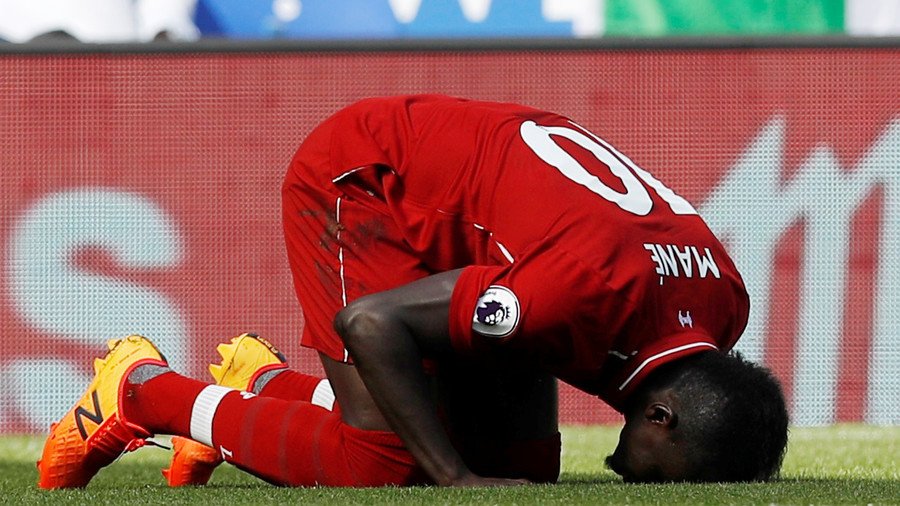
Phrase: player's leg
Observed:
(285, 442)
(248, 363)
(324, 234)
(325, 231)
(135, 395)
(503, 421)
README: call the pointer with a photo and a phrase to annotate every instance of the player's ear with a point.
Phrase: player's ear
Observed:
(660, 413)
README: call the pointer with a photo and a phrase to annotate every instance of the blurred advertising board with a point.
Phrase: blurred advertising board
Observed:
(141, 193)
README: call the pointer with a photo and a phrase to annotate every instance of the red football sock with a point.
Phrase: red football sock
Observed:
(285, 442)
(161, 405)
(291, 385)
(300, 444)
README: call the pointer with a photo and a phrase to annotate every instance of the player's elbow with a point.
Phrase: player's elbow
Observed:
(362, 322)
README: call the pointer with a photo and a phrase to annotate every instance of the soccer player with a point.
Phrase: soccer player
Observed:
(507, 242)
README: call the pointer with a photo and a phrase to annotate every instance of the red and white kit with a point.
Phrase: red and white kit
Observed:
(575, 259)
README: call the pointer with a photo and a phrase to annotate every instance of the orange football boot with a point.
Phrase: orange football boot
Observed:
(243, 361)
(94, 433)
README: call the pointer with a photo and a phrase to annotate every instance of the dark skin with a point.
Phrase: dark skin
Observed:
(649, 450)
(389, 333)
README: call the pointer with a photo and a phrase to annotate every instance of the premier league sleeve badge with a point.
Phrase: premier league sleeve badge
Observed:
(497, 312)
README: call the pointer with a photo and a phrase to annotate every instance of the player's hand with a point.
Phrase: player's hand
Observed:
(473, 480)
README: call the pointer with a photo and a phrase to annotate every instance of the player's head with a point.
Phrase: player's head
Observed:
(708, 417)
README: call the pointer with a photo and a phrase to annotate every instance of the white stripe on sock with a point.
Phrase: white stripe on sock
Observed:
(323, 395)
(204, 409)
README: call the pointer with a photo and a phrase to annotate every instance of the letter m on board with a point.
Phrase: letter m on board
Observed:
(81, 413)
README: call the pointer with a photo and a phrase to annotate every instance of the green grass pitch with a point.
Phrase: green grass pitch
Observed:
(843, 464)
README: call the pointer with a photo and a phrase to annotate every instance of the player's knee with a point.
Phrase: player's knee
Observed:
(358, 320)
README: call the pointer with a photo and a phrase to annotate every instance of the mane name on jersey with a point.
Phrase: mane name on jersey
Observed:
(672, 260)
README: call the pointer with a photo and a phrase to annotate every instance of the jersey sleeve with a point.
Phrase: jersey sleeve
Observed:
(546, 307)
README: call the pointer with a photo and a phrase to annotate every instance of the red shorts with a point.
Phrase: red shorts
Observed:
(339, 249)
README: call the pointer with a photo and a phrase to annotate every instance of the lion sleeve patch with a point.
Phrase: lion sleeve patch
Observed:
(497, 312)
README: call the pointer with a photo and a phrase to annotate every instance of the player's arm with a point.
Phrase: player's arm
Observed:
(388, 334)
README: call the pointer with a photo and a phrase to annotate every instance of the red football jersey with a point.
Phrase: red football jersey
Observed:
(576, 260)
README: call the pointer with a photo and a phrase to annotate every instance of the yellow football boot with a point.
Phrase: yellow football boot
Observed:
(243, 360)
(94, 433)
